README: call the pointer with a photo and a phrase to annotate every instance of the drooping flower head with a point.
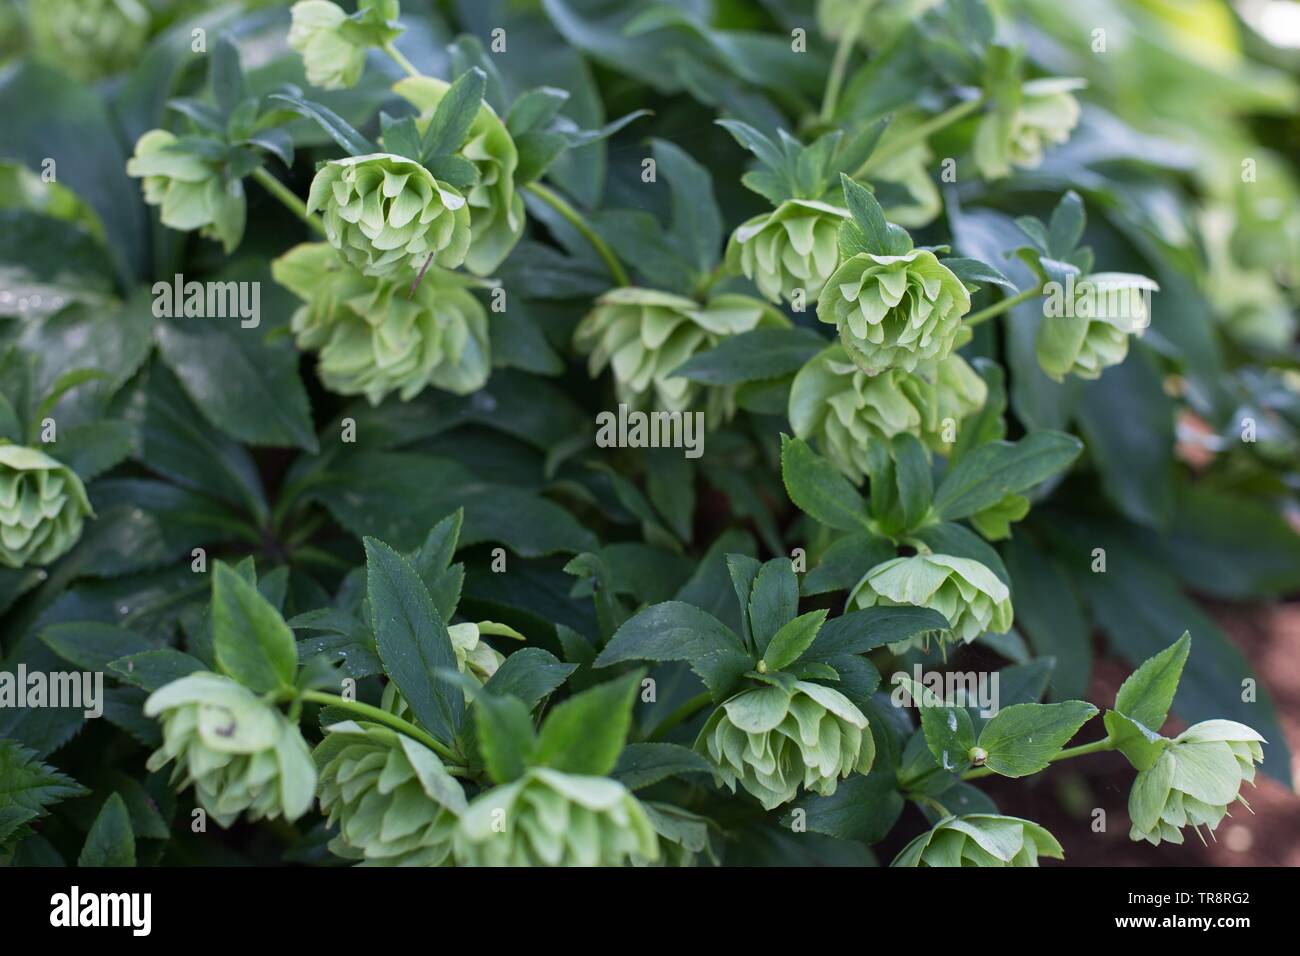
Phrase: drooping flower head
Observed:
(190, 190)
(966, 592)
(386, 214)
(894, 311)
(833, 401)
(241, 754)
(43, 505)
(550, 818)
(980, 839)
(772, 739)
(1046, 115)
(793, 247)
(392, 799)
(375, 336)
(332, 58)
(1087, 324)
(1194, 781)
(645, 334)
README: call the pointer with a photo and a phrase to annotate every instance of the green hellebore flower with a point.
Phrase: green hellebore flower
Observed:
(793, 247)
(89, 38)
(846, 409)
(894, 311)
(496, 209)
(387, 214)
(1194, 780)
(240, 753)
(966, 592)
(190, 191)
(549, 818)
(43, 505)
(392, 799)
(644, 335)
(772, 739)
(980, 839)
(333, 60)
(375, 337)
(1047, 113)
(474, 656)
(1087, 323)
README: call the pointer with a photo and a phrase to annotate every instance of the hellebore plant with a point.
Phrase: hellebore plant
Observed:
(359, 570)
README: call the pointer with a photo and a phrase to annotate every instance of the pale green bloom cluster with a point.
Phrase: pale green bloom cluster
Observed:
(894, 311)
(241, 754)
(980, 839)
(333, 60)
(190, 191)
(89, 38)
(375, 336)
(1194, 780)
(1087, 324)
(1046, 115)
(644, 335)
(772, 739)
(794, 247)
(549, 818)
(386, 214)
(43, 505)
(391, 798)
(833, 401)
(966, 592)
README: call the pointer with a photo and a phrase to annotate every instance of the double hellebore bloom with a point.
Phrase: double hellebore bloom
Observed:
(772, 739)
(980, 839)
(1194, 780)
(392, 799)
(333, 60)
(386, 215)
(793, 247)
(549, 818)
(42, 507)
(966, 592)
(239, 751)
(894, 311)
(1046, 115)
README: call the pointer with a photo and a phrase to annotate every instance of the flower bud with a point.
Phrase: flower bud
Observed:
(980, 839)
(386, 214)
(845, 409)
(793, 247)
(89, 38)
(645, 334)
(894, 311)
(375, 337)
(1194, 780)
(771, 739)
(43, 505)
(1046, 115)
(966, 592)
(190, 191)
(332, 60)
(240, 753)
(549, 818)
(390, 796)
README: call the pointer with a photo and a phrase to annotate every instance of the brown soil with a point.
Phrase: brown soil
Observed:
(1065, 799)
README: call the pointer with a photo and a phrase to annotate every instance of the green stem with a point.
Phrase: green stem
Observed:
(400, 60)
(913, 136)
(575, 219)
(841, 61)
(1097, 746)
(681, 714)
(380, 716)
(997, 308)
(287, 196)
